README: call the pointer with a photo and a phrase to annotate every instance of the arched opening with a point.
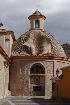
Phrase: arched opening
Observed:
(37, 80)
(37, 69)
(37, 24)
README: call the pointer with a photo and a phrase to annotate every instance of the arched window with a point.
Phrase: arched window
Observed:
(37, 24)
(37, 69)
(37, 80)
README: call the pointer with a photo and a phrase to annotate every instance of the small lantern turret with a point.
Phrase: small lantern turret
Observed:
(37, 21)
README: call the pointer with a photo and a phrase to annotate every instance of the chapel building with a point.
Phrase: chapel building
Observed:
(35, 61)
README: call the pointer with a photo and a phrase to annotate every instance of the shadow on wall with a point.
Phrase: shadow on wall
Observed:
(51, 101)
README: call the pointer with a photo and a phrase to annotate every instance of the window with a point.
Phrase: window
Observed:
(37, 69)
(37, 80)
(37, 88)
(37, 24)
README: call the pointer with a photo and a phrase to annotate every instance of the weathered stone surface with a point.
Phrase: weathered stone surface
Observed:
(33, 47)
(37, 42)
(20, 77)
(4, 77)
(66, 48)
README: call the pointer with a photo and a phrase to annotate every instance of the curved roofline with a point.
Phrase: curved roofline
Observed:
(56, 48)
(36, 14)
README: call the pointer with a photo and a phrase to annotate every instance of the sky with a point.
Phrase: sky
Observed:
(14, 15)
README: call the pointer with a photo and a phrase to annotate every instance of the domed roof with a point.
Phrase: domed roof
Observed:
(36, 13)
(37, 42)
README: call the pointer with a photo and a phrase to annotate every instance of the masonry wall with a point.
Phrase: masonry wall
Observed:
(2, 41)
(20, 77)
(4, 78)
(6, 42)
(19, 83)
(58, 64)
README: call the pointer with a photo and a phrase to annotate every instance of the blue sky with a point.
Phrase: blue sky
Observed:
(14, 14)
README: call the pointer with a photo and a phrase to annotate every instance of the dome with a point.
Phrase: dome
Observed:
(39, 43)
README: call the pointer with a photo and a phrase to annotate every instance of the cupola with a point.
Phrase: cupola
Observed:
(37, 21)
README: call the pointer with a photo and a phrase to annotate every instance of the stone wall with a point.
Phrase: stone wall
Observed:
(6, 42)
(58, 64)
(2, 41)
(20, 77)
(4, 77)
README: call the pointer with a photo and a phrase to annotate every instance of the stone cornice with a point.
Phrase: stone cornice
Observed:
(38, 58)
